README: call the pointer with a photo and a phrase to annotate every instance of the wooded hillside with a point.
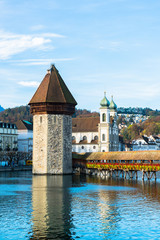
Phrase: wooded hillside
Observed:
(12, 115)
(149, 127)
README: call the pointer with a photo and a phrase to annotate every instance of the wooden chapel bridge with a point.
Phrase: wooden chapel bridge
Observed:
(119, 164)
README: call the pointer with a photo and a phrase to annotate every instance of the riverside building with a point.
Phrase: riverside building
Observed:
(8, 137)
(25, 136)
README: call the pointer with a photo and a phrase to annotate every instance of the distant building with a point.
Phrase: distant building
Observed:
(97, 134)
(146, 143)
(8, 137)
(121, 143)
(25, 136)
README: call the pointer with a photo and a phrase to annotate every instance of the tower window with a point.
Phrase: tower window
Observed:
(54, 119)
(103, 117)
(103, 137)
(40, 119)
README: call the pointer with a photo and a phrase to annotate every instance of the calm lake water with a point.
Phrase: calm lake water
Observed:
(74, 207)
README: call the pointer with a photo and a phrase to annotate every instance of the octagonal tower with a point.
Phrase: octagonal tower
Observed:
(52, 107)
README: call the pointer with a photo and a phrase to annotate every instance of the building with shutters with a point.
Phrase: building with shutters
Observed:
(8, 137)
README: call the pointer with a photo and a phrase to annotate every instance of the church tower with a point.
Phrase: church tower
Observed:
(104, 126)
(52, 107)
(114, 136)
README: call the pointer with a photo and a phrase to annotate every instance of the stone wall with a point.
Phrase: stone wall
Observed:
(52, 144)
(67, 144)
(40, 131)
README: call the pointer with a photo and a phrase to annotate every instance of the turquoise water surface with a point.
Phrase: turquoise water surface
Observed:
(74, 207)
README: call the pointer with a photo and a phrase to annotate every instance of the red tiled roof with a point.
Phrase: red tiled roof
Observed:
(85, 124)
(24, 125)
(53, 90)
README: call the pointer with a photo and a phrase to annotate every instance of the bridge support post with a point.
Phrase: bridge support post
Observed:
(125, 174)
(142, 175)
(117, 175)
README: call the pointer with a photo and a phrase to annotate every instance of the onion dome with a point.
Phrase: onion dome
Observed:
(112, 105)
(105, 102)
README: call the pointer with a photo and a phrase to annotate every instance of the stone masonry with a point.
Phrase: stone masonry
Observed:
(52, 150)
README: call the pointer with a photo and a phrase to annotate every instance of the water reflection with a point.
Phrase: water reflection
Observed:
(51, 207)
(108, 211)
(71, 207)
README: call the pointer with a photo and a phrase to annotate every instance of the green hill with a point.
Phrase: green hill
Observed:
(12, 115)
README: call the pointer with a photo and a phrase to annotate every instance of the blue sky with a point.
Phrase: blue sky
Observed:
(97, 46)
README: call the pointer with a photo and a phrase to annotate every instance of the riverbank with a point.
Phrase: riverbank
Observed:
(16, 168)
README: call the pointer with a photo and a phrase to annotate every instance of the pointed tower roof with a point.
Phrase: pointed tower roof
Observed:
(53, 90)
(52, 96)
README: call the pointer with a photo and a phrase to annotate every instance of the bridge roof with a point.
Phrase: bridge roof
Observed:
(125, 155)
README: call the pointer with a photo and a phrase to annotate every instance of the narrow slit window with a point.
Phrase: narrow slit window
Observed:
(40, 119)
(54, 119)
(103, 117)
(103, 137)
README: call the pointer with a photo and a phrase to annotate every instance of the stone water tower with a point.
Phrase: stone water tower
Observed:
(52, 107)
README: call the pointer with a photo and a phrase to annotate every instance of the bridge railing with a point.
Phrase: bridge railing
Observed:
(124, 166)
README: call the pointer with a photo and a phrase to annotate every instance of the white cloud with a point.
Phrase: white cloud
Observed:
(37, 27)
(29, 84)
(11, 44)
(36, 62)
(52, 35)
(111, 45)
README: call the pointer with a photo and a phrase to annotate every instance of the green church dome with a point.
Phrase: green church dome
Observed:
(112, 104)
(105, 102)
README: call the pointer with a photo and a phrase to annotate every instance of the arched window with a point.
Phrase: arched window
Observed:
(82, 147)
(84, 138)
(96, 138)
(94, 147)
(103, 117)
(103, 137)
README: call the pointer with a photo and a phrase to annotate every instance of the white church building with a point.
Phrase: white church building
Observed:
(97, 134)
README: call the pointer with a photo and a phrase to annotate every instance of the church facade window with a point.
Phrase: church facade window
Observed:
(103, 137)
(84, 138)
(103, 117)
(96, 137)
